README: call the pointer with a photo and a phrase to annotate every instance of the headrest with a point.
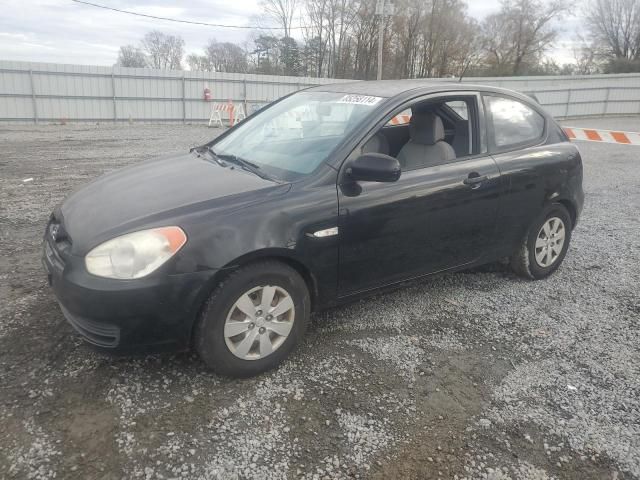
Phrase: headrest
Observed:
(426, 128)
(376, 144)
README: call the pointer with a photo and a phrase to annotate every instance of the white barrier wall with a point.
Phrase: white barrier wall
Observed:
(45, 92)
(579, 95)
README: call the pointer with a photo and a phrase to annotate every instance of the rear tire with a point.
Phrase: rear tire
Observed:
(545, 245)
(237, 335)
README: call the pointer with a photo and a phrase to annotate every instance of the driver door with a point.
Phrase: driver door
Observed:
(430, 220)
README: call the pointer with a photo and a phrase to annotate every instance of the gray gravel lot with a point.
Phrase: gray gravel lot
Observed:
(470, 375)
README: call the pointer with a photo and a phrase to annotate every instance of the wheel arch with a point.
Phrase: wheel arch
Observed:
(571, 208)
(274, 254)
(567, 203)
(283, 255)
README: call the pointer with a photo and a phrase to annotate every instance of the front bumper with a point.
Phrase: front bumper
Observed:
(148, 314)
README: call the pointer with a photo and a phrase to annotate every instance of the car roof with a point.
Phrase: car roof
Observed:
(392, 88)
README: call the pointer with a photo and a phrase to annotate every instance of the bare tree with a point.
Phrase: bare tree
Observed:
(226, 57)
(341, 16)
(432, 38)
(406, 34)
(586, 56)
(466, 47)
(425, 38)
(316, 39)
(282, 11)
(365, 40)
(163, 51)
(131, 56)
(615, 25)
(520, 33)
(199, 62)
(448, 36)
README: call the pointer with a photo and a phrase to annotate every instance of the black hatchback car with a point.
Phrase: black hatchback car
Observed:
(326, 195)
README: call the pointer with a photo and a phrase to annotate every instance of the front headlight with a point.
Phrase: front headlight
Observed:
(136, 254)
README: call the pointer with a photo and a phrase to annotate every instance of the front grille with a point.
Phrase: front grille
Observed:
(100, 334)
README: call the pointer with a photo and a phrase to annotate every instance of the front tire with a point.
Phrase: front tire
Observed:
(253, 319)
(544, 247)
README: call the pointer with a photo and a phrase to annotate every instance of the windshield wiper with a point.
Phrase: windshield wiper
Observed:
(207, 148)
(245, 164)
(216, 157)
(238, 160)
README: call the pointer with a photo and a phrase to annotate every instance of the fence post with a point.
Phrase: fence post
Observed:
(113, 91)
(606, 102)
(33, 97)
(566, 111)
(244, 95)
(184, 101)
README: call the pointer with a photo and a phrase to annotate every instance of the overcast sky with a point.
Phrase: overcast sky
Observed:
(62, 31)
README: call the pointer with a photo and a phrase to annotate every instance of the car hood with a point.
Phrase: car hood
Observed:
(146, 194)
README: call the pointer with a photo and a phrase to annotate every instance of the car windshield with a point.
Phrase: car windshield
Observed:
(293, 137)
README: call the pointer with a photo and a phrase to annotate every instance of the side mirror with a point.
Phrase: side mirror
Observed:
(374, 167)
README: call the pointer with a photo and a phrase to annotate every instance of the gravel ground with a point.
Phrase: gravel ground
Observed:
(471, 375)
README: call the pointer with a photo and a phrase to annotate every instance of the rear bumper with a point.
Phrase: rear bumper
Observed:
(128, 316)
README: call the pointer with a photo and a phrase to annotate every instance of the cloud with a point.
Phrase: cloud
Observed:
(62, 31)
(68, 32)
(479, 10)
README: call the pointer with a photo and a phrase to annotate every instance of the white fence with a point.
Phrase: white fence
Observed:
(577, 96)
(44, 92)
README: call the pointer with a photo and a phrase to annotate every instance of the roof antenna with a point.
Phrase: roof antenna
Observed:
(471, 58)
(464, 70)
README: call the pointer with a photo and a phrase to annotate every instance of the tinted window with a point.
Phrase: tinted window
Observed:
(460, 107)
(514, 122)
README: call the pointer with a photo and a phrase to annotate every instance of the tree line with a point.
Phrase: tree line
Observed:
(424, 38)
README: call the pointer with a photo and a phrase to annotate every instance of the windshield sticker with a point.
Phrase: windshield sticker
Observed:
(360, 99)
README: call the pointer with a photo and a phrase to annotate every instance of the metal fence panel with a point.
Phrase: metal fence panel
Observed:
(558, 111)
(16, 108)
(623, 108)
(572, 81)
(585, 109)
(552, 97)
(14, 83)
(44, 92)
(627, 94)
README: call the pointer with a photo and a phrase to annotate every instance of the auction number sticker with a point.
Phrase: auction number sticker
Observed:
(360, 99)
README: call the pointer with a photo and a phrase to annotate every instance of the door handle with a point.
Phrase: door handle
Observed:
(474, 180)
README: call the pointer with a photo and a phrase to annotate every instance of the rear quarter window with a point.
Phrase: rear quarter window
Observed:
(513, 123)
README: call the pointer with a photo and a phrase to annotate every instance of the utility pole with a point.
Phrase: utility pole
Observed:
(383, 8)
(380, 40)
